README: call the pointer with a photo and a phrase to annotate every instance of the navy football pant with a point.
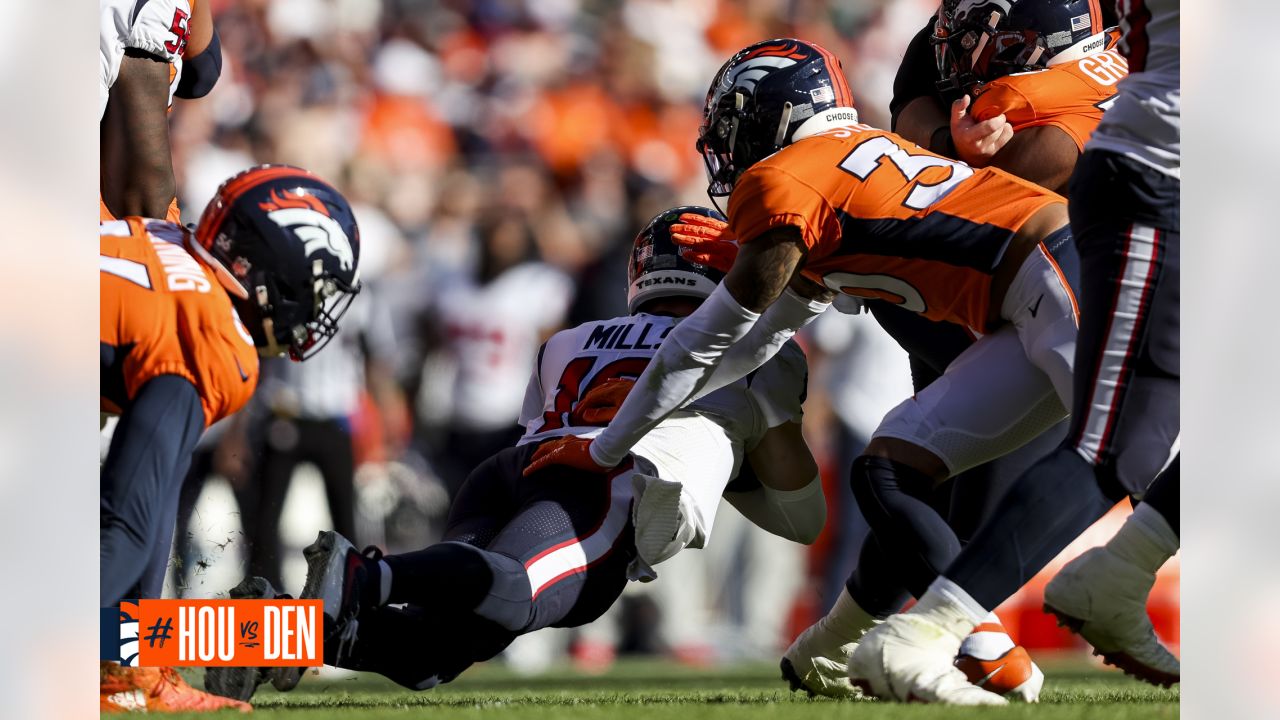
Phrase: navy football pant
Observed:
(519, 554)
(139, 485)
(1125, 420)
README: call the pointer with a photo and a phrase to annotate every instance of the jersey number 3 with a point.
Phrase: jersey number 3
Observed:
(865, 159)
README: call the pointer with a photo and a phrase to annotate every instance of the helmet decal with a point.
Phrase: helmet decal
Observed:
(291, 199)
(747, 73)
(317, 231)
(786, 49)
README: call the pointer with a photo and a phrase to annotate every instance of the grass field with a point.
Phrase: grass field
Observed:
(666, 691)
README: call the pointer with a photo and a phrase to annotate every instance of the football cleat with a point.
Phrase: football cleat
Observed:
(991, 660)
(1103, 598)
(337, 574)
(818, 663)
(909, 658)
(241, 682)
(156, 690)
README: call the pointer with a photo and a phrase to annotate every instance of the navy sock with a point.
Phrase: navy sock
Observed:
(915, 539)
(452, 576)
(1049, 506)
(1164, 494)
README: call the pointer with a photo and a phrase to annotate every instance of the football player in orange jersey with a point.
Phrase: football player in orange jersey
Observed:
(1027, 81)
(825, 207)
(1125, 214)
(184, 315)
(1034, 79)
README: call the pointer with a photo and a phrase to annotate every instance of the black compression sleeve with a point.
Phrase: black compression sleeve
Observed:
(201, 73)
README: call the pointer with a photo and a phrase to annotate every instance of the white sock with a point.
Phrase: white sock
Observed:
(991, 619)
(384, 581)
(947, 604)
(847, 619)
(1145, 539)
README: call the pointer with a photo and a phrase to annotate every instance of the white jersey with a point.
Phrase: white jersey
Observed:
(492, 335)
(158, 27)
(1145, 122)
(700, 446)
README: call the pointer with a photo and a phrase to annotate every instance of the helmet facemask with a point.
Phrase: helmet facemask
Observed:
(282, 323)
(977, 42)
(717, 139)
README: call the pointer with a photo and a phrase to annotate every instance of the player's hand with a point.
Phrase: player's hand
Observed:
(568, 451)
(977, 142)
(601, 403)
(708, 241)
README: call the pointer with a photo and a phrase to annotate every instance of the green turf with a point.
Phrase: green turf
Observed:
(651, 689)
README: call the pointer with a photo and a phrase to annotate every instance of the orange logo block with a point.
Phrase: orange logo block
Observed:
(231, 633)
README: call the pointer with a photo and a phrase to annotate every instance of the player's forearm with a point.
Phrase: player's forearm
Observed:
(146, 183)
(776, 326)
(924, 122)
(681, 366)
(1045, 155)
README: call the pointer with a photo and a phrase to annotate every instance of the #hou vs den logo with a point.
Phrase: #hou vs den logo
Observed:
(210, 633)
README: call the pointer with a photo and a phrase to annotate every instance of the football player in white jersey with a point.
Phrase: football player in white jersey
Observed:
(149, 51)
(556, 548)
(1103, 593)
(1124, 208)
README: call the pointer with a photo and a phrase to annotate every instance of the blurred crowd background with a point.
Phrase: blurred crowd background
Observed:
(500, 156)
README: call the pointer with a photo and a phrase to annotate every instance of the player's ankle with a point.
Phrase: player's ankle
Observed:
(1146, 540)
(951, 607)
(846, 618)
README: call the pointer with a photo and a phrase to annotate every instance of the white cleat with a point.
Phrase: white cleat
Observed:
(1103, 598)
(909, 658)
(818, 663)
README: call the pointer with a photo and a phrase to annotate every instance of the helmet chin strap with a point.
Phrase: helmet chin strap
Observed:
(826, 120)
(784, 121)
(273, 348)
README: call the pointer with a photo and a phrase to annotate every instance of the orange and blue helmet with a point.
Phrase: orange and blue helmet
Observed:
(758, 100)
(289, 249)
(977, 41)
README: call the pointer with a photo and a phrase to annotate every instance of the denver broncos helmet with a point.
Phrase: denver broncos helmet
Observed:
(977, 41)
(289, 249)
(758, 101)
(658, 268)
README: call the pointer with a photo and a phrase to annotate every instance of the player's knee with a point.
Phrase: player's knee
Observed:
(875, 480)
(909, 455)
(1131, 465)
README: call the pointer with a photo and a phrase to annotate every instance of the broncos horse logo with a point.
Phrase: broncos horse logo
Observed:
(309, 219)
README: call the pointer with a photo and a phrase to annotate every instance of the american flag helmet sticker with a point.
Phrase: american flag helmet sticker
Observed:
(1080, 22)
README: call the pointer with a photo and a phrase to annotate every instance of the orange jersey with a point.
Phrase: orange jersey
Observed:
(164, 313)
(1071, 96)
(885, 219)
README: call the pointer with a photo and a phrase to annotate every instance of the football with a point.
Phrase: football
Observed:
(992, 662)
